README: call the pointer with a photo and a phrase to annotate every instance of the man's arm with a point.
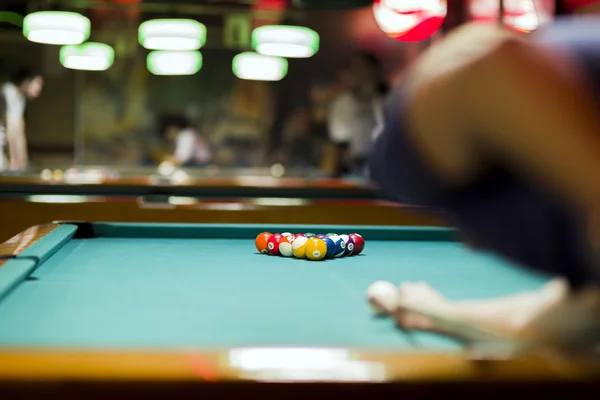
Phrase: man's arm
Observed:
(518, 103)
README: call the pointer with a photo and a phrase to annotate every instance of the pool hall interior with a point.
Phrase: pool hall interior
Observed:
(156, 139)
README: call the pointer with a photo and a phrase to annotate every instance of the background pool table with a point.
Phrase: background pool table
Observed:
(106, 301)
(224, 196)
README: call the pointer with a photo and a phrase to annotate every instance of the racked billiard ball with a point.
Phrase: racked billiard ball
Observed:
(299, 247)
(330, 248)
(261, 242)
(285, 245)
(340, 246)
(359, 243)
(273, 244)
(310, 235)
(315, 249)
(349, 245)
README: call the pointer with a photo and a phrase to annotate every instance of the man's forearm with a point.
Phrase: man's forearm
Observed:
(533, 114)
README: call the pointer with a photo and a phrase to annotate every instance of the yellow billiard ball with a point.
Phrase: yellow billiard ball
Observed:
(315, 249)
(299, 247)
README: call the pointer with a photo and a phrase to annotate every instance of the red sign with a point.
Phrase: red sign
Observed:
(410, 20)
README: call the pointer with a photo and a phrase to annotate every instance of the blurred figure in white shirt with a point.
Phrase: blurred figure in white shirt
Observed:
(24, 85)
(186, 146)
(356, 112)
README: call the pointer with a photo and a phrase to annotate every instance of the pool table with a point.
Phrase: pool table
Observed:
(91, 307)
(198, 182)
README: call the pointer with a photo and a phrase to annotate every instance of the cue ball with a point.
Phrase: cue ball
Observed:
(273, 244)
(299, 247)
(359, 243)
(285, 245)
(316, 249)
(262, 242)
(382, 297)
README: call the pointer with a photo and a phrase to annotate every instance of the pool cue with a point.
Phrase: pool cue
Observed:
(501, 12)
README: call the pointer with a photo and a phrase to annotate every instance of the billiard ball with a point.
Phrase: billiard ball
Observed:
(286, 234)
(315, 249)
(383, 297)
(331, 234)
(285, 245)
(261, 242)
(349, 245)
(330, 247)
(321, 236)
(340, 246)
(273, 244)
(299, 247)
(359, 243)
(309, 235)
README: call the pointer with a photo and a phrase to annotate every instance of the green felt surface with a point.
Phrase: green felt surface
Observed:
(158, 286)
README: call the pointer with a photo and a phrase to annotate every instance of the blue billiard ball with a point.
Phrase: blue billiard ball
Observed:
(340, 246)
(349, 244)
(330, 248)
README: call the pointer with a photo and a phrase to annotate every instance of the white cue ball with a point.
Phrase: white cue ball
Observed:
(384, 293)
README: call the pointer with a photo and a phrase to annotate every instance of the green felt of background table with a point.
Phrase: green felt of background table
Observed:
(205, 286)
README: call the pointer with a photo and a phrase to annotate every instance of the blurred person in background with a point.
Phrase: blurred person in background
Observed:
(25, 84)
(185, 146)
(355, 113)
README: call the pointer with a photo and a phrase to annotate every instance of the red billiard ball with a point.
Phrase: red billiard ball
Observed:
(262, 242)
(273, 244)
(359, 243)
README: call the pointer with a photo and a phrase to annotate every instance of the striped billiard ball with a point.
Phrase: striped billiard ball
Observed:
(340, 246)
(285, 245)
(299, 247)
(349, 245)
(330, 248)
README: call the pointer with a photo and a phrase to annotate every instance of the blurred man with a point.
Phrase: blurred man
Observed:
(24, 85)
(356, 112)
(502, 132)
(186, 147)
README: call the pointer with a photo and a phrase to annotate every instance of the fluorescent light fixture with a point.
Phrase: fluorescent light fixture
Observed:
(172, 34)
(258, 67)
(56, 27)
(285, 41)
(174, 62)
(87, 56)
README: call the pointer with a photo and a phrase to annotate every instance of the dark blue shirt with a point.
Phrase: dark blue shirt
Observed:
(500, 212)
